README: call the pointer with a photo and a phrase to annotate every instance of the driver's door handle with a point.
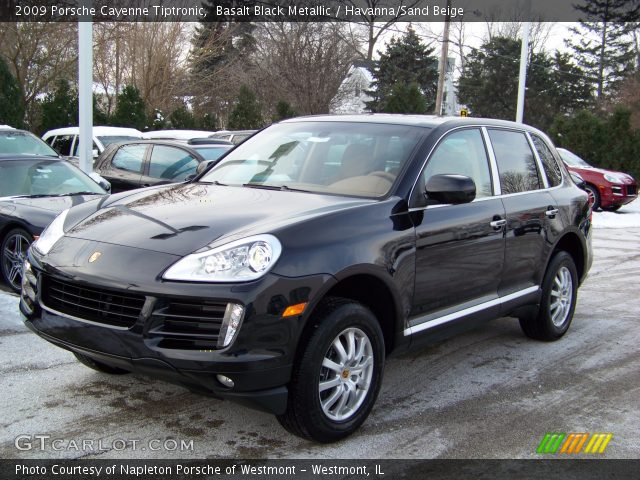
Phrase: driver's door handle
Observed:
(552, 212)
(498, 224)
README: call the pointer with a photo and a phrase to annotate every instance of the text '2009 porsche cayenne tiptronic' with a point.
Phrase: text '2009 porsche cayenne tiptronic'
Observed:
(285, 275)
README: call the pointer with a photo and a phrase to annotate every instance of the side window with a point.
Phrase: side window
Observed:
(50, 140)
(171, 163)
(462, 153)
(130, 158)
(77, 144)
(516, 163)
(549, 163)
(62, 144)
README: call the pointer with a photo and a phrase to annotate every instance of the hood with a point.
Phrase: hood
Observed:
(183, 218)
(40, 211)
(623, 177)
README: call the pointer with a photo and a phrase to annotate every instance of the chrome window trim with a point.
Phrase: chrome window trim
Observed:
(468, 311)
(536, 156)
(493, 163)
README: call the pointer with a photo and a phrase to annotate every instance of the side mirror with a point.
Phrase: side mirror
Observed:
(450, 188)
(103, 182)
(203, 166)
(578, 180)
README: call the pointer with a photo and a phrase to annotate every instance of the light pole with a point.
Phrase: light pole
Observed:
(524, 55)
(444, 54)
(85, 92)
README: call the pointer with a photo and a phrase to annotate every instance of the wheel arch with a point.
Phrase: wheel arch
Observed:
(372, 290)
(571, 243)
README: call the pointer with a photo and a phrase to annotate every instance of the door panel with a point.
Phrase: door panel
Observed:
(530, 232)
(124, 169)
(459, 257)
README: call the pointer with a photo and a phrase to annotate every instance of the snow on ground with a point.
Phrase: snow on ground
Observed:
(627, 217)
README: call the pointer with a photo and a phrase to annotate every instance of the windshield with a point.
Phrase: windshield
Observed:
(108, 140)
(24, 143)
(212, 153)
(359, 159)
(572, 159)
(43, 177)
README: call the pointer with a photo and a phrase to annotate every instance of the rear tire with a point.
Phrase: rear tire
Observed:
(559, 294)
(337, 377)
(99, 366)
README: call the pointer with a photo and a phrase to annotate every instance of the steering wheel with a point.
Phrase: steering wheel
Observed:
(390, 177)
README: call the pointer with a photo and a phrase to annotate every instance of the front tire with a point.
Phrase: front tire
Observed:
(337, 377)
(613, 208)
(559, 294)
(594, 196)
(12, 254)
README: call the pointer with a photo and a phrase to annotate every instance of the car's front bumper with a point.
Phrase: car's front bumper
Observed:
(259, 360)
(614, 195)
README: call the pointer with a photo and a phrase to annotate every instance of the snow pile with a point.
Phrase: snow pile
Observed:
(627, 217)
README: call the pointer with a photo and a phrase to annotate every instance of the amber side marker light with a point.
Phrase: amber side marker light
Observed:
(293, 310)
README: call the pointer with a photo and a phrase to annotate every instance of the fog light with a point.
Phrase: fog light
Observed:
(226, 381)
(230, 324)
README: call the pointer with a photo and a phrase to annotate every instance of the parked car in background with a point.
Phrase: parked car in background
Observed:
(14, 141)
(607, 189)
(65, 140)
(176, 134)
(33, 191)
(234, 136)
(284, 276)
(152, 162)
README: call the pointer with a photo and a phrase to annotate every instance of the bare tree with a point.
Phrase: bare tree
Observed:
(375, 24)
(303, 63)
(149, 55)
(38, 54)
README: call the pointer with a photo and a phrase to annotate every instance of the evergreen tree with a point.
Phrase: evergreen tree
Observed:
(405, 99)
(601, 43)
(489, 84)
(182, 118)
(60, 107)
(220, 39)
(130, 109)
(207, 122)
(406, 61)
(284, 110)
(247, 113)
(11, 107)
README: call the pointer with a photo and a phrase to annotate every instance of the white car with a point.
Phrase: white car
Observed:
(177, 134)
(65, 140)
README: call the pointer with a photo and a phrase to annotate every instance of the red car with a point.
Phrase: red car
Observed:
(607, 189)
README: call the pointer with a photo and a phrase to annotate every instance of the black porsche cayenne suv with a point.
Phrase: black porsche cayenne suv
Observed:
(285, 275)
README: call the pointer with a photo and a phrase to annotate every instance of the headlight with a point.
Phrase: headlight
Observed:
(238, 261)
(611, 178)
(51, 234)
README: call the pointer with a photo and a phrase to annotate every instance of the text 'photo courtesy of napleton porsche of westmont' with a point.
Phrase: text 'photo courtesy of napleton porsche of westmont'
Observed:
(319, 238)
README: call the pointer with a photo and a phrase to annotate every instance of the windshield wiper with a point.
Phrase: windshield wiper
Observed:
(283, 188)
(215, 182)
(42, 195)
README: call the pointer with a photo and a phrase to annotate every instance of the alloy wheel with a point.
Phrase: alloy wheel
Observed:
(345, 375)
(15, 251)
(561, 297)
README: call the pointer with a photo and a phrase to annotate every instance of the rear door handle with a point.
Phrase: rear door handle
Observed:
(552, 212)
(498, 224)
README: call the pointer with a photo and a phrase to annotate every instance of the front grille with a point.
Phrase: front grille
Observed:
(119, 309)
(632, 190)
(187, 324)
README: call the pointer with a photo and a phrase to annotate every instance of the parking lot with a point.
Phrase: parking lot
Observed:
(490, 393)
